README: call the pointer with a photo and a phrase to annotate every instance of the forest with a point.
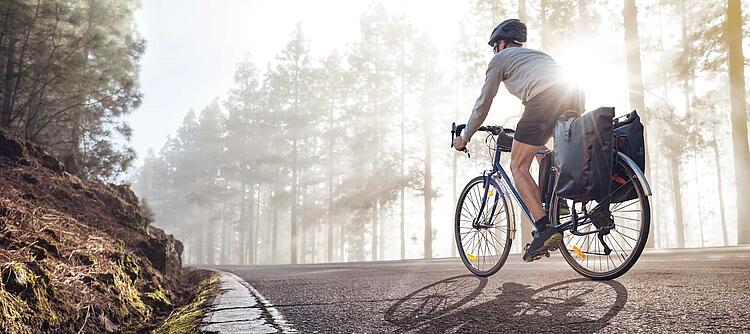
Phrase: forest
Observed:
(69, 74)
(345, 157)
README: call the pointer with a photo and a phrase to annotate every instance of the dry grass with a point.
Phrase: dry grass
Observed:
(69, 255)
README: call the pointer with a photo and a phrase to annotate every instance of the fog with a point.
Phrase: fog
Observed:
(305, 132)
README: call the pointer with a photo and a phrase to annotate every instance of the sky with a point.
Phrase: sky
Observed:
(193, 46)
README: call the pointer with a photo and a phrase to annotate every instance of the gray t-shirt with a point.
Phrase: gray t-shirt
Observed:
(525, 72)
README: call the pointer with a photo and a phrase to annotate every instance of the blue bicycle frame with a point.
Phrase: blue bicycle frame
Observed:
(571, 224)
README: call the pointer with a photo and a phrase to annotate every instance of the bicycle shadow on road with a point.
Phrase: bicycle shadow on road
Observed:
(573, 305)
(434, 300)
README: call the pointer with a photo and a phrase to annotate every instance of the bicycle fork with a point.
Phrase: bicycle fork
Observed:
(486, 184)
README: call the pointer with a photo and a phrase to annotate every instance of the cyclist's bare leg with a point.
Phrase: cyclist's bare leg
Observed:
(521, 156)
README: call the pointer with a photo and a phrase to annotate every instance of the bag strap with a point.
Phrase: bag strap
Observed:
(566, 128)
(570, 116)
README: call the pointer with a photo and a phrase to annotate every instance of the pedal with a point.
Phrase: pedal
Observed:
(537, 256)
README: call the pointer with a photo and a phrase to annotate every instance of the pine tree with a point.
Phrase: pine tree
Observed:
(739, 118)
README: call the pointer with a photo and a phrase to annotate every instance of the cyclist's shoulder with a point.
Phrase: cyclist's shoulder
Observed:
(518, 53)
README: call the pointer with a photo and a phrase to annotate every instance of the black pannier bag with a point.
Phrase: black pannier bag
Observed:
(628, 139)
(583, 154)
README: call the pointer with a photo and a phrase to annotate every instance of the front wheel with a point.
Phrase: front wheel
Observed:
(631, 212)
(483, 243)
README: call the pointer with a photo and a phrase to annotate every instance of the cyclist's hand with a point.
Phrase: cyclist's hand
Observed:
(459, 143)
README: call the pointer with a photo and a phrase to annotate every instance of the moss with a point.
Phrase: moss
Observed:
(129, 297)
(13, 312)
(158, 296)
(186, 319)
(154, 296)
(128, 266)
(16, 277)
(28, 293)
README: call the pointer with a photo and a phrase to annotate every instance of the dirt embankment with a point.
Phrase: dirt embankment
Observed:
(78, 256)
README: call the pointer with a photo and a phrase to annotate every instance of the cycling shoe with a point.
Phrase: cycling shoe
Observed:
(542, 243)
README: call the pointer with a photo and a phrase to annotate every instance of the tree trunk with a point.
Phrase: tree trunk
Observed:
(275, 233)
(679, 223)
(8, 78)
(739, 119)
(242, 247)
(374, 245)
(635, 80)
(544, 5)
(402, 225)
(700, 206)
(329, 195)
(427, 185)
(303, 226)
(249, 223)
(210, 239)
(293, 215)
(720, 189)
(256, 229)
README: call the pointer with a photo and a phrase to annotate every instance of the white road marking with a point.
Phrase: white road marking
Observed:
(241, 309)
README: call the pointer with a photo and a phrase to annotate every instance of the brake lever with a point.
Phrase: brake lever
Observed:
(455, 132)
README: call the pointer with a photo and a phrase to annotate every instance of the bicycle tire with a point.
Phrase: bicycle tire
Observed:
(466, 218)
(640, 242)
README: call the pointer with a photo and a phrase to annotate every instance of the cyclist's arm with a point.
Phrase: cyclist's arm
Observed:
(492, 81)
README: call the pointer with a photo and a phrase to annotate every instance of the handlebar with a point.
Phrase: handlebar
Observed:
(492, 129)
(456, 132)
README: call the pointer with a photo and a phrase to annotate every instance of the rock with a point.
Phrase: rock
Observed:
(83, 259)
(162, 251)
(48, 246)
(17, 278)
(38, 253)
(51, 163)
(10, 148)
(51, 233)
(108, 279)
(30, 178)
(71, 166)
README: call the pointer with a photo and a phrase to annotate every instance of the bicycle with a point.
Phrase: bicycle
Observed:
(484, 233)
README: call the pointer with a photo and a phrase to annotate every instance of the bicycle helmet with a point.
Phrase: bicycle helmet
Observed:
(512, 30)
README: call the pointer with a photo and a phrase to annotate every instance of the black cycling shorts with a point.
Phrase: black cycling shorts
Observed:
(540, 113)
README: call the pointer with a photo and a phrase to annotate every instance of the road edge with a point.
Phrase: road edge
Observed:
(245, 297)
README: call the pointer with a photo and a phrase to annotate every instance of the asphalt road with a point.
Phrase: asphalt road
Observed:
(666, 292)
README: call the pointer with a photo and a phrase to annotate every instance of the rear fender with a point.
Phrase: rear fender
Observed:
(638, 172)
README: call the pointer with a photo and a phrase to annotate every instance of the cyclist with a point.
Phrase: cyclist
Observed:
(536, 79)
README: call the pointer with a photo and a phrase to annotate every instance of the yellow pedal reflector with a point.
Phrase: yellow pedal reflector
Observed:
(471, 257)
(579, 252)
(490, 193)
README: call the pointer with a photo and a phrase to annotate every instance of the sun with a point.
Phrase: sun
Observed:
(598, 72)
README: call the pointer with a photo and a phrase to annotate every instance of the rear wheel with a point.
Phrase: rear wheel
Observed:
(631, 213)
(484, 243)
